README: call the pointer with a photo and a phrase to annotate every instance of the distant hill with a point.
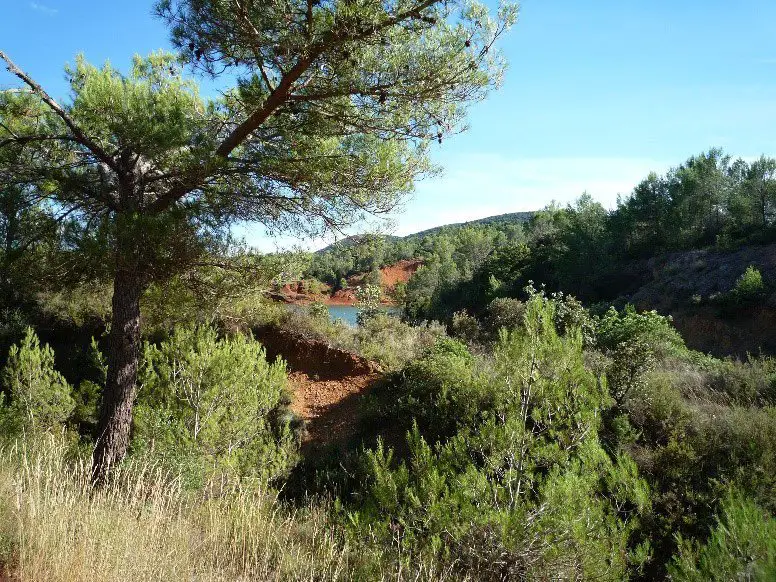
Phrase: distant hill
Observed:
(499, 219)
(356, 239)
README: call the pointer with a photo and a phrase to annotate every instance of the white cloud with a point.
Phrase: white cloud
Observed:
(43, 9)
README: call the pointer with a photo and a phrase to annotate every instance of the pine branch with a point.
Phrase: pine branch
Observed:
(78, 133)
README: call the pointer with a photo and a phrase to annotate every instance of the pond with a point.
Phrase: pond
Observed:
(348, 313)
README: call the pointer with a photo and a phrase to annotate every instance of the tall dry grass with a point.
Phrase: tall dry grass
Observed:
(55, 527)
(143, 526)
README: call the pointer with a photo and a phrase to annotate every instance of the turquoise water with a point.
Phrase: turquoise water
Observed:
(347, 313)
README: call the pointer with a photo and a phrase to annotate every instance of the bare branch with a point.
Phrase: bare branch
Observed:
(33, 138)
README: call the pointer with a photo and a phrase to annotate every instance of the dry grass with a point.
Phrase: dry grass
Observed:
(55, 527)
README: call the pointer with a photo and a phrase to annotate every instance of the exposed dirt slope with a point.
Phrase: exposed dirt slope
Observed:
(390, 276)
(330, 408)
(327, 385)
(398, 273)
(684, 285)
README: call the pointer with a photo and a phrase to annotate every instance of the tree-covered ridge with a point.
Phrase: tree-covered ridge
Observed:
(710, 201)
(368, 252)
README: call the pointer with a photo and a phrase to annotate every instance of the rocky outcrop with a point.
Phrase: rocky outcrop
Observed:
(688, 286)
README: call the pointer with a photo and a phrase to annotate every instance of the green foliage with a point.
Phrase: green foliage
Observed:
(749, 286)
(584, 249)
(517, 485)
(389, 341)
(465, 327)
(318, 311)
(231, 290)
(651, 329)
(571, 315)
(40, 398)
(633, 344)
(742, 546)
(13, 324)
(88, 393)
(748, 383)
(368, 298)
(503, 312)
(690, 441)
(355, 90)
(214, 404)
(442, 392)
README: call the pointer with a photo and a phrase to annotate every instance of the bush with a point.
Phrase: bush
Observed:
(503, 312)
(214, 403)
(570, 315)
(441, 392)
(517, 486)
(748, 383)
(465, 327)
(40, 398)
(389, 341)
(13, 324)
(318, 311)
(749, 286)
(649, 328)
(742, 546)
(368, 298)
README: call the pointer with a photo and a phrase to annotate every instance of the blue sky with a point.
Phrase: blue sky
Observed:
(597, 94)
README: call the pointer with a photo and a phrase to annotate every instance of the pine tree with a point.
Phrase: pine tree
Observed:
(334, 107)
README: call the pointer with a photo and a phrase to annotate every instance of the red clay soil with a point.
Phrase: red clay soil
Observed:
(330, 408)
(398, 273)
(390, 275)
(342, 297)
(327, 384)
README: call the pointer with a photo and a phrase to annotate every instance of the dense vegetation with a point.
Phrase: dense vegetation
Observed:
(324, 114)
(710, 200)
(551, 443)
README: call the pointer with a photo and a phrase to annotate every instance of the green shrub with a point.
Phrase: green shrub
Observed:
(440, 391)
(215, 404)
(368, 301)
(517, 486)
(570, 315)
(314, 286)
(400, 292)
(318, 311)
(40, 398)
(749, 286)
(389, 341)
(742, 546)
(13, 324)
(748, 383)
(651, 329)
(503, 312)
(373, 277)
(465, 327)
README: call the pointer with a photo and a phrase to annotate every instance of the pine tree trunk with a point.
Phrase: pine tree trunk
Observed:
(120, 386)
